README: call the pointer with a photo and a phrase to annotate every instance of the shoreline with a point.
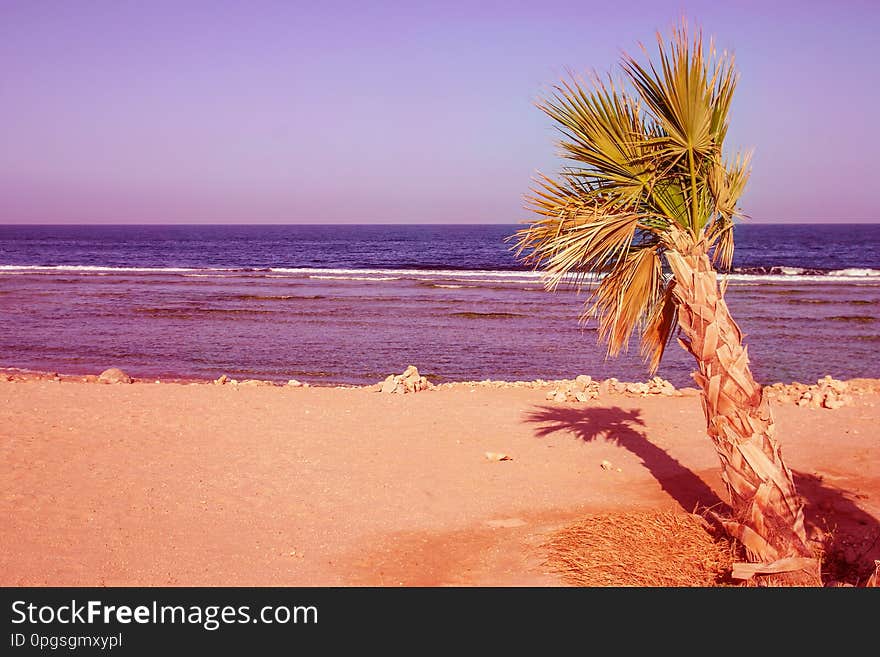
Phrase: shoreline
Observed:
(826, 393)
(24, 374)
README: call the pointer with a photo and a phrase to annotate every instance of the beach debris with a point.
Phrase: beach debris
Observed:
(498, 456)
(828, 392)
(654, 386)
(583, 389)
(221, 380)
(293, 383)
(409, 381)
(606, 465)
(114, 375)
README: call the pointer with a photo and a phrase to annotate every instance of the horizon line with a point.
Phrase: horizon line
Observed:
(847, 222)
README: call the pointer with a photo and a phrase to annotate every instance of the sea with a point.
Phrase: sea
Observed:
(350, 304)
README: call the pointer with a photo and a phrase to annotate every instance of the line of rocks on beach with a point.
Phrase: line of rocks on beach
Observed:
(826, 393)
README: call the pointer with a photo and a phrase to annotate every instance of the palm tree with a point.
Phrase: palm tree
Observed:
(642, 215)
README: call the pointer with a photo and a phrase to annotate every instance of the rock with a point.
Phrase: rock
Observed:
(497, 456)
(835, 385)
(293, 383)
(605, 465)
(637, 388)
(559, 396)
(839, 387)
(114, 375)
(605, 388)
(551, 395)
(582, 382)
(582, 397)
(409, 381)
(826, 393)
(222, 379)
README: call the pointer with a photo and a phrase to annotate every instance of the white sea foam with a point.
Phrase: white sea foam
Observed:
(448, 276)
(855, 272)
(792, 278)
(99, 268)
(434, 273)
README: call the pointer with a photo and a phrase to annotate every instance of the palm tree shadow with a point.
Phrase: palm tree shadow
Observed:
(623, 428)
(851, 535)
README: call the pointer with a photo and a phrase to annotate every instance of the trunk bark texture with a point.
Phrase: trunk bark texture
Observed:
(768, 515)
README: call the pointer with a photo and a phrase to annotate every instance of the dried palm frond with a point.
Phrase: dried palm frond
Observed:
(647, 548)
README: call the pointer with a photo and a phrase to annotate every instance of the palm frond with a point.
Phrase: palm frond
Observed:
(646, 176)
(659, 327)
(728, 182)
(689, 97)
(602, 131)
(623, 297)
(570, 245)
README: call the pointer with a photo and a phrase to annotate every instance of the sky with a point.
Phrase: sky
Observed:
(387, 112)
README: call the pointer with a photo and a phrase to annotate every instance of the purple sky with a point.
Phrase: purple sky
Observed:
(313, 112)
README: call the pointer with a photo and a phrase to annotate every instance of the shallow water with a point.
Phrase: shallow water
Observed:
(159, 301)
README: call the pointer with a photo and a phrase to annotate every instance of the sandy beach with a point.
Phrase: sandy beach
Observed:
(178, 483)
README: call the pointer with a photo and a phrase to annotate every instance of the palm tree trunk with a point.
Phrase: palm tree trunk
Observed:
(768, 515)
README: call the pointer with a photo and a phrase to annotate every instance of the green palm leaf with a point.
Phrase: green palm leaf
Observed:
(645, 174)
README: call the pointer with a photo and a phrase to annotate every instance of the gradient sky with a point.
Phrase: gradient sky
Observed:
(386, 112)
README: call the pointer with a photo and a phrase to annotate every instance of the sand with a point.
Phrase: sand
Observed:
(153, 484)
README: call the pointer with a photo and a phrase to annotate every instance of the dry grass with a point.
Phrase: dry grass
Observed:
(658, 548)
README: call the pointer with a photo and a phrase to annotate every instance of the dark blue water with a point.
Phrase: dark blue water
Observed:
(351, 304)
(821, 248)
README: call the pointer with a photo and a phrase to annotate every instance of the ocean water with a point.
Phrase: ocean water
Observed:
(352, 304)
